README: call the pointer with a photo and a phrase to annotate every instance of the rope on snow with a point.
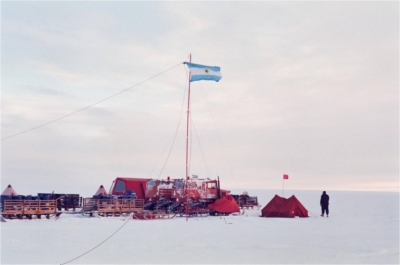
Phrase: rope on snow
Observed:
(90, 250)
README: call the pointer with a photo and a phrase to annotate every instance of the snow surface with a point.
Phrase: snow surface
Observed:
(363, 228)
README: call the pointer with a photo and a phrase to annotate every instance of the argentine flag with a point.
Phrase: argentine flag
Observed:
(203, 72)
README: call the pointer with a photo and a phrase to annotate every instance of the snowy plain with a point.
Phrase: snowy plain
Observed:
(363, 228)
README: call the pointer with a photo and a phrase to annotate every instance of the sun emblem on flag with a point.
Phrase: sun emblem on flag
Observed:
(206, 70)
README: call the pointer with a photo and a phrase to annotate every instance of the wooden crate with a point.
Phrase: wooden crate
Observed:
(13, 207)
(119, 206)
(29, 207)
(111, 206)
(47, 207)
(137, 205)
(105, 206)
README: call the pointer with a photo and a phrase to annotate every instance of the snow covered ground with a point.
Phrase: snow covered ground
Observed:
(363, 228)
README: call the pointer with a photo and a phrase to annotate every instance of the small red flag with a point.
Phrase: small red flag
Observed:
(285, 176)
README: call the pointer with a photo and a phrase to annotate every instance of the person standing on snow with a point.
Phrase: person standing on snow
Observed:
(324, 202)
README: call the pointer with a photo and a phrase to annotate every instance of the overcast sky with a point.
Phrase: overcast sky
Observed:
(308, 89)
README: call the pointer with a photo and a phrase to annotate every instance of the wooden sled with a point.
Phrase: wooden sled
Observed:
(153, 215)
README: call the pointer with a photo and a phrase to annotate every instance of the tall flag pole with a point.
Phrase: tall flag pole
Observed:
(187, 141)
(285, 176)
(197, 72)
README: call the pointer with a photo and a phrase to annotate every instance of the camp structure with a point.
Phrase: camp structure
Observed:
(121, 185)
(101, 191)
(225, 205)
(282, 207)
(9, 191)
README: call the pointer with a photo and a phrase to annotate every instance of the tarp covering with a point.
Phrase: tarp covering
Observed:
(226, 204)
(9, 191)
(101, 191)
(282, 207)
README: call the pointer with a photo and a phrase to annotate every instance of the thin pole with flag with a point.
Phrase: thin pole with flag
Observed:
(187, 142)
(285, 176)
(197, 72)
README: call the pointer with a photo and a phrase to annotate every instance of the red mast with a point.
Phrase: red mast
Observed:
(187, 142)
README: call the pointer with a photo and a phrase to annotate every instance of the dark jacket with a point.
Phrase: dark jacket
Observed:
(324, 200)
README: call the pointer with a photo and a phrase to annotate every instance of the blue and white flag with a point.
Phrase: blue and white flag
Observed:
(204, 72)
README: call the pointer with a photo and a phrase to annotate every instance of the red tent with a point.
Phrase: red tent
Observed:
(9, 191)
(226, 204)
(282, 207)
(101, 191)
